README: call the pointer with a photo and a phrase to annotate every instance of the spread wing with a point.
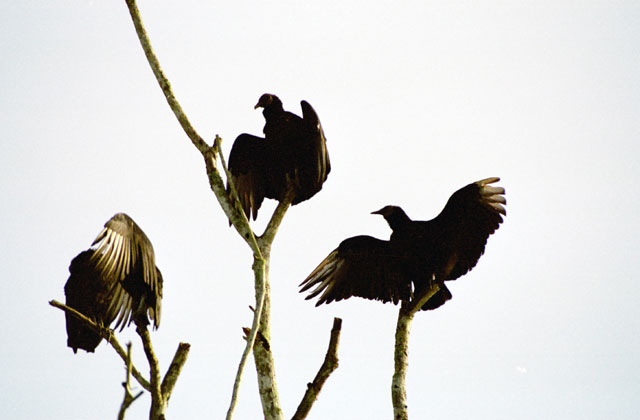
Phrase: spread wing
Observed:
(315, 164)
(125, 259)
(361, 266)
(470, 216)
(247, 161)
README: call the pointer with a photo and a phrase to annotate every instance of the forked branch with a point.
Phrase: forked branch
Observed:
(108, 335)
(160, 391)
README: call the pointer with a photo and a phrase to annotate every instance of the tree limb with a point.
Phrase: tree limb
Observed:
(258, 269)
(236, 217)
(328, 366)
(197, 141)
(128, 396)
(170, 378)
(401, 353)
(262, 355)
(108, 335)
(158, 404)
(266, 239)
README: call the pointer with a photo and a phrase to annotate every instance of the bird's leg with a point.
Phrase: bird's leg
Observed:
(289, 194)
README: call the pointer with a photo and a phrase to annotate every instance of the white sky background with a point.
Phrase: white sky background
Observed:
(417, 99)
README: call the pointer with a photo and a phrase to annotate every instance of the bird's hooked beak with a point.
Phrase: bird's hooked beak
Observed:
(385, 211)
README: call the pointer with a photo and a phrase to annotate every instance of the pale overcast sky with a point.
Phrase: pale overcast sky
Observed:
(417, 99)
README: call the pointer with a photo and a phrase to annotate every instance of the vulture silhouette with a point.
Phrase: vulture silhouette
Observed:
(291, 156)
(417, 253)
(116, 279)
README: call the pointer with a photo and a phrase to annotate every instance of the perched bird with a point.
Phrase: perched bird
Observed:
(116, 278)
(292, 156)
(417, 253)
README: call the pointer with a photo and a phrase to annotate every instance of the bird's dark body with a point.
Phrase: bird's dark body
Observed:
(418, 252)
(292, 156)
(116, 281)
(85, 292)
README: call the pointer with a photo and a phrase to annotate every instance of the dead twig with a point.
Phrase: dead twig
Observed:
(128, 396)
(328, 366)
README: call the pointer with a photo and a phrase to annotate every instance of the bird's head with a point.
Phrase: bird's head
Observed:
(387, 211)
(394, 215)
(266, 100)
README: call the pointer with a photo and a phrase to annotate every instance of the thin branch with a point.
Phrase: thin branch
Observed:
(237, 218)
(128, 396)
(170, 378)
(258, 269)
(197, 141)
(266, 239)
(259, 275)
(328, 366)
(244, 218)
(103, 331)
(401, 353)
(158, 404)
(108, 335)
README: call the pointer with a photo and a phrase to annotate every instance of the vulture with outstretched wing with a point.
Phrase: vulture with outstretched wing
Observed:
(115, 280)
(291, 156)
(417, 253)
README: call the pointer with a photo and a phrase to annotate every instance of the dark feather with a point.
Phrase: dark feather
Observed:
(292, 156)
(418, 252)
(361, 266)
(115, 281)
(247, 167)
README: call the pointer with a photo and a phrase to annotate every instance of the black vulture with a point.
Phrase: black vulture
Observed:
(417, 253)
(116, 278)
(292, 155)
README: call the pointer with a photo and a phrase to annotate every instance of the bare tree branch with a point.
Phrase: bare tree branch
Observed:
(401, 354)
(108, 335)
(158, 405)
(170, 378)
(198, 142)
(128, 396)
(258, 269)
(328, 366)
(261, 282)
(242, 217)
(235, 216)
(262, 355)
(266, 239)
